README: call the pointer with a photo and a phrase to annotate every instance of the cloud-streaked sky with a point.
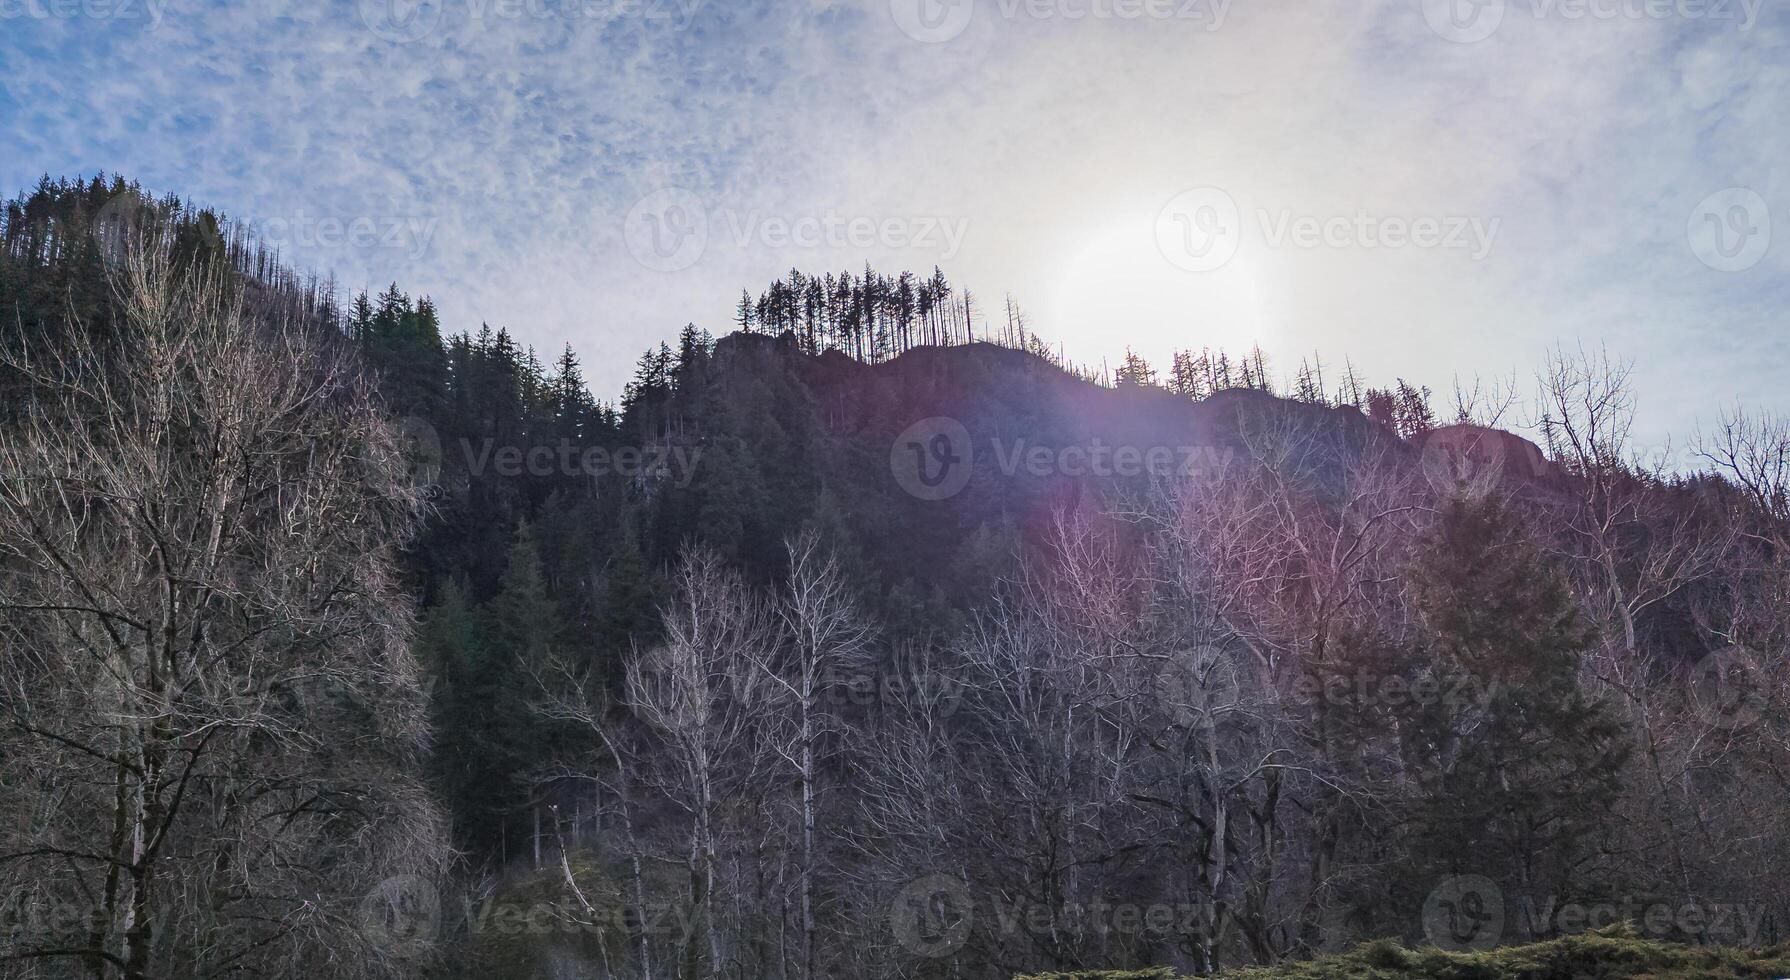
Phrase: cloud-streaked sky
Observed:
(1427, 187)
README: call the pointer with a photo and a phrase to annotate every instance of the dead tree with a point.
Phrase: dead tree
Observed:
(209, 718)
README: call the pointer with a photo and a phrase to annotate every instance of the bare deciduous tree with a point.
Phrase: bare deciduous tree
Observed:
(705, 694)
(209, 718)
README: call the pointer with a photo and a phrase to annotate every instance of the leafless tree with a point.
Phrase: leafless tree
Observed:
(824, 630)
(704, 692)
(1635, 538)
(209, 718)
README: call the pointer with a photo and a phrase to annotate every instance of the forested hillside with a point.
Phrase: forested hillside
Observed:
(872, 640)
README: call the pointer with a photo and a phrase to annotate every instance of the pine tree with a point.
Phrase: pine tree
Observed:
(571, 400)
(1516, 767)
(360, 319)
(743, 314)
(448, 647)
(1187, 376)
(693, 349)
(626, 614)
(519, 627)
(1135, 372)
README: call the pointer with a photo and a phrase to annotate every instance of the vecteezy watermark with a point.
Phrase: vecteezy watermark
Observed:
(671, 229)
(934, 916)
(1201, 230)
(129, 214)
(1730, 230)
(403, 21)
(1197, 684)
(1467, 21)
(932, 233)
(409, 234)
(679, 706)
(148, 12)
(1155, 920)
(937, 21)
(402, 914)
(1472, 461)
(1468, 912)
(498, 917)
(1370, 231)
(1366, 688)
(1726, 923)
(566, 458)
(934, 458)
(36, 922)
(943, 693)
(420, 447)
(667, 230)
(1464, 912)
(1731, 688)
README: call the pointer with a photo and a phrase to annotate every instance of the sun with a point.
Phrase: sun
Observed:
(1116, 289)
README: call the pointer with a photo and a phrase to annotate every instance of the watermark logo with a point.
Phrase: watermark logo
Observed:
(401, 913)
(401, 21)
(1730, 688)
(409, 234)
(1366, 230)
(670, 230)
(1463, 21)
(1363, 689)
(1467, 21)
(126, 217)
(1199, 230)
(933, 233)
(1465, 912)
(932, 458)
(932, 21)
(502, 917)
(932, 916)
(940, 694)
(1722, 922)
(120, 219)
(1210, 12)
(1197, 684)
(65, 10)
(937, 21)
(1471, 461)
(1463, 461)
(667, 230)
(1730, 230)
(421, 447)
(641, 464)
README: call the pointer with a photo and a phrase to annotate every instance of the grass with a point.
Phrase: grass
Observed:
(1608, 954)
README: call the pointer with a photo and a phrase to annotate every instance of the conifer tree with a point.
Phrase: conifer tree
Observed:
(1135, 372)
(1515, 766)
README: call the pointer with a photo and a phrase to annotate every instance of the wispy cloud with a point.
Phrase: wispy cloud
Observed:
(491, 153)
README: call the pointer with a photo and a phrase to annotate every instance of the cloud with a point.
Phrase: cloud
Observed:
(513, 137)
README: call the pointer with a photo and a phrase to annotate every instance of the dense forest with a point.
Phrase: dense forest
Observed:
(344, 642)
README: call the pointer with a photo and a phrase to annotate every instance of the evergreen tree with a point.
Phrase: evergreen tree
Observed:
(449, 650)
(1515, 766)
(743, 314)
(1135, 372)
(627, 613)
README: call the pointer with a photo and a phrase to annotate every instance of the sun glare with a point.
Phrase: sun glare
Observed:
(1118, 279)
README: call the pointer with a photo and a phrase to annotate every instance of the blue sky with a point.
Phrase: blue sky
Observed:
(1427, 187)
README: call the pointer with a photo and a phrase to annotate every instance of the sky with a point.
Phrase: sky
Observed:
(1429, 189)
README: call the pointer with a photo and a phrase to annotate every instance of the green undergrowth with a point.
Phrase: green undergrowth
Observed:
(1610, 954)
